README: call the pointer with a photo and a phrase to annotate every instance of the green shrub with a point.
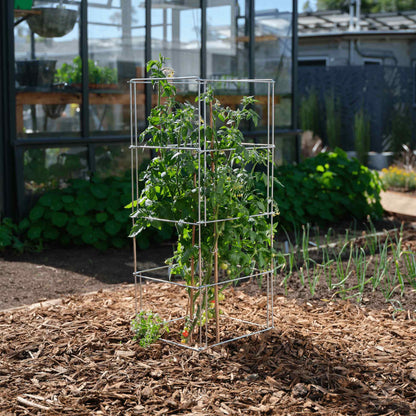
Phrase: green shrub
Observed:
(327, 188)
(395, 177)
(88, 213)
(10, 235)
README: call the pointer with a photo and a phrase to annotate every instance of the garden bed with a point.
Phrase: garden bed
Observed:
(76, 355)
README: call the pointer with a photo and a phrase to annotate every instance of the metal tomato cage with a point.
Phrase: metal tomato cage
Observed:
(196, 87)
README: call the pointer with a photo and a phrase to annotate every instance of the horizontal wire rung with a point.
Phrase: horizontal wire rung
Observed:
(264, 214)
(204, 286)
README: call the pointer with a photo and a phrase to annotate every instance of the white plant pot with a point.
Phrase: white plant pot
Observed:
(351, 154)
(379, 161)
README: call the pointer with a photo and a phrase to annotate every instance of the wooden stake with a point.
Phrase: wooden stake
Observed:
(191, 301)
(217, 314)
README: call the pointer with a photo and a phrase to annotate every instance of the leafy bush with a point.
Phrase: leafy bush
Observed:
(396, 177)
(88, 213)
(10, 235)
(148, 327)
(326, 188)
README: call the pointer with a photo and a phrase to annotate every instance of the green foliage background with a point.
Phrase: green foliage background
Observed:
(88, 213)
(320, 190)
(368, 6)
(326, 189)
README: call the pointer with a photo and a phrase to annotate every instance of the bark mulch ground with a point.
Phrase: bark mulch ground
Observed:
(77, 357)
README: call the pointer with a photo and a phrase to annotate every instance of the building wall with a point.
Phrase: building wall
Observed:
(339, 51)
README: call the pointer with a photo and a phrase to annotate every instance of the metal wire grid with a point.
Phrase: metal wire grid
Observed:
(141, 276)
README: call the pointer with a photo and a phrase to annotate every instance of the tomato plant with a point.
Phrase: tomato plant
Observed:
(221, 178)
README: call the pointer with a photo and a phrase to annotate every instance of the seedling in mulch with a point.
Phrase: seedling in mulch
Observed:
(409, 260)
(393, 267)
(148, 328)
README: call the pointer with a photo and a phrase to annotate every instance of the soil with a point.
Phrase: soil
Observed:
(75, 355)
(35, 277)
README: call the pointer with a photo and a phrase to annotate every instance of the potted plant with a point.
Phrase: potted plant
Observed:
(98, 76)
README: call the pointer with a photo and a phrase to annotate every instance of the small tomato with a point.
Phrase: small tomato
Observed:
(185, 333)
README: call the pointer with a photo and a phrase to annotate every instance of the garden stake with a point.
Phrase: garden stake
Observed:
(217, 318)
(191, 298)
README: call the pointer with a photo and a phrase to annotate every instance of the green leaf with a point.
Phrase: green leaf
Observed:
(83, 221)
(51, 233)
(86, 202)
(122, 216)
(100, 191)
(24, 224)
(67, 199)
(101, 217)
(112, 227)
(74, 229)
(79, 211)
(59, 219)
(36, 213)
(34, 232)
(89, 237)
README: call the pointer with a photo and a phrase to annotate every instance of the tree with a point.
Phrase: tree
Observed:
(307, 6)
(368, 6)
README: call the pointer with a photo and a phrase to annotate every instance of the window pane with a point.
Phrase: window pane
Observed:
(114, 160)
(273, 46)
(116, 33)
(285, 149)
(227, 41)
(176, 34)
(45, 42)
(51, 168)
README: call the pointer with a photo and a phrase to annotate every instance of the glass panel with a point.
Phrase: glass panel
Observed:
(273, 56)
(46, 41)
(114, 160)
(50, 168)
(176, 34)
(227, 42)
(285, 149)
(116, 35)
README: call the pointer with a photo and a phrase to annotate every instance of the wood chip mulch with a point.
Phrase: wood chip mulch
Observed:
(77, 357)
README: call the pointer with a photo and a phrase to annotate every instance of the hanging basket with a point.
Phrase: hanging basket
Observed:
(52, 22)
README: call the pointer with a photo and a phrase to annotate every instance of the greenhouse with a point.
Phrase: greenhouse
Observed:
(66, 65)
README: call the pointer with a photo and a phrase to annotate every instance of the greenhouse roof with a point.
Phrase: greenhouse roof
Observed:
(337, 22)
